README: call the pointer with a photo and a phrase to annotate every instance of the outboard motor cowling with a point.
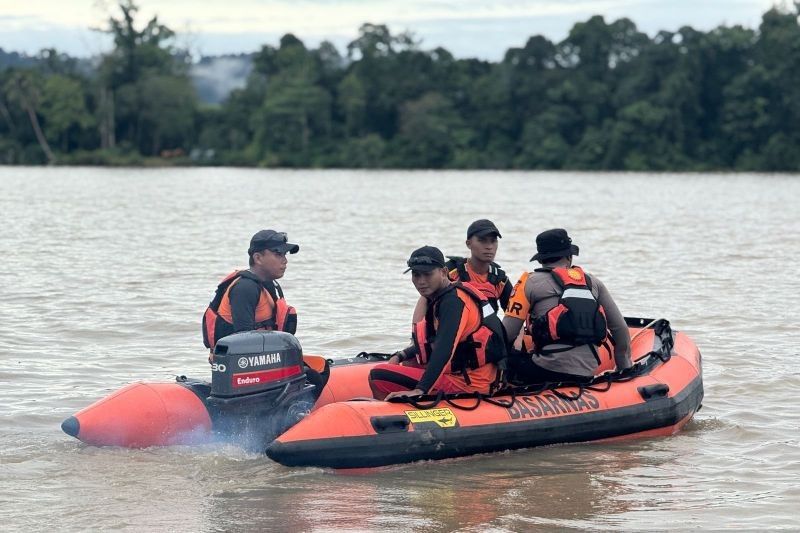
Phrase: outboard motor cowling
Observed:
(255, 361)
(258, 386)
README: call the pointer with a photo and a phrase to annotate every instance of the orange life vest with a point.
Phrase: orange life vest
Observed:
(272, 312)
(578, 319)
(487, 344)
(491, 287)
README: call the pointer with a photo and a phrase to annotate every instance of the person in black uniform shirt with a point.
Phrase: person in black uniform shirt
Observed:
(252, 299)
(268, 263)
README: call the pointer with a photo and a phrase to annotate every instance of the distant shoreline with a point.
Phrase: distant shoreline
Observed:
(155, 164)
(607, 98)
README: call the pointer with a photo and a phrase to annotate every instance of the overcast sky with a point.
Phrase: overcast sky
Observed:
(468, 28)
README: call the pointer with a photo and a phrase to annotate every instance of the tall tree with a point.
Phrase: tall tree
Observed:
(63, 105)
(142, 58)
(22, 88)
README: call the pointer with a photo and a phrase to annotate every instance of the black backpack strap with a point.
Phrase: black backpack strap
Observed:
(496, 274)
(430, 314)
(272, 287)
(460, 266)
(596, 355)
(278, 289)
(439, 296)
(492, 322)
(249, 275)
(222, 287)
(557, 279)
(474, 295)
(567, 347)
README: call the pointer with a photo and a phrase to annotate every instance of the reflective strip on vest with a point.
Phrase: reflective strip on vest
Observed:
(578, 293)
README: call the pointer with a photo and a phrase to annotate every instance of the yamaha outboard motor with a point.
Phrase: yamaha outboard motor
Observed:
(258, 386)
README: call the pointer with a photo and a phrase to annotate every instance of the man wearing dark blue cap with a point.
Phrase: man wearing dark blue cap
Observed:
(574, 329)
(479, 269)
(252, 299)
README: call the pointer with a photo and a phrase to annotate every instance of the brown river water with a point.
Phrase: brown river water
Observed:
(105, 274)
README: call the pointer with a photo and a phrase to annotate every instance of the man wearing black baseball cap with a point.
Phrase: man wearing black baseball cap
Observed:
(453, 313)
(252, 299)
(268, 239)
(574, 329)
(479, 269)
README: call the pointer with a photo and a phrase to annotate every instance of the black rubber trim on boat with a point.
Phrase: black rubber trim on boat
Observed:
(442, 443)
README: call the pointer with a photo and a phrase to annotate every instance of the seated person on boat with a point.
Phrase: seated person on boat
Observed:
(479, 269)
(573, 329)
(456, 344)
(252, 299)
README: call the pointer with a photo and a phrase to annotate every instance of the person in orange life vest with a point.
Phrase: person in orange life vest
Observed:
(252, 299)
(479, 269)
(456, 344)
(576, 328)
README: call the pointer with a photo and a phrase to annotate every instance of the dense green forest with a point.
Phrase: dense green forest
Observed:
(606, 97)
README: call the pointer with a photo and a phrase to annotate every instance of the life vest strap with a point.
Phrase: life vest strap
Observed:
(546, 351)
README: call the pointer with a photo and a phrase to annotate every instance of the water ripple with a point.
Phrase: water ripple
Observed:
(106, 273)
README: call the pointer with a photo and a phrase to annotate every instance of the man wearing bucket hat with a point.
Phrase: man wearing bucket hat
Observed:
(456, 344)
(574, 330)
(252, 299)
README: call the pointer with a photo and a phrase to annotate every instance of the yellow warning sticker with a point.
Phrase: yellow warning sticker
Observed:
(442, 417)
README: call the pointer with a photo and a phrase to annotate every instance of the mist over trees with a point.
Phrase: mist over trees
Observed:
(606, 97)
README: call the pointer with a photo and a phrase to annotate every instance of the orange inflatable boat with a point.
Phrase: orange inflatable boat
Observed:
(656, 397)
(259, 391)
(259, 387)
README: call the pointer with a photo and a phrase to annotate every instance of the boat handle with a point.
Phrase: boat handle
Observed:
(390, 424)
(650, 392)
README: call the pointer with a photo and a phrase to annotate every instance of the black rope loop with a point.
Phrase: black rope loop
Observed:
(374, 355)
(607, 379)
(417, 401)
(603, 383)
(477, 395)
(494, 399)
(565, 396)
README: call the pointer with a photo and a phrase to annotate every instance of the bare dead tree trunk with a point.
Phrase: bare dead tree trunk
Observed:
(107, 137)
(102, 124)
(37, 129)
(112, 122)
